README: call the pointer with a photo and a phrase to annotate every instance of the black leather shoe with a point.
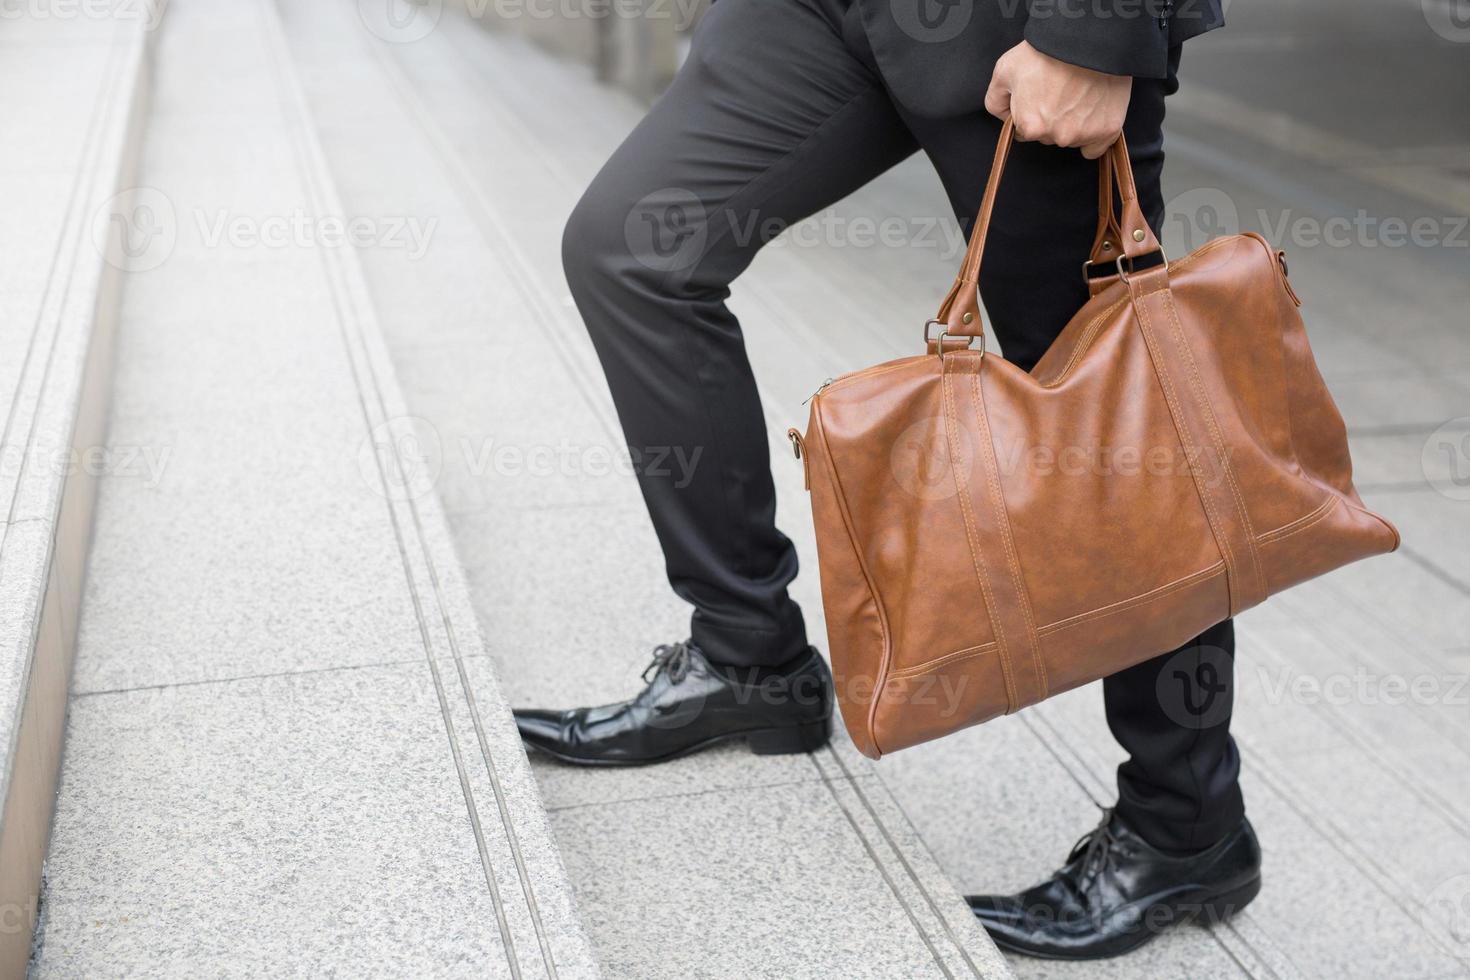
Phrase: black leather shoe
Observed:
(689, 704)
(1116, 892)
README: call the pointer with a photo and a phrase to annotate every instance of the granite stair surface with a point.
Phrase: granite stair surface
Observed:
(288, 750)
(385, 504)
(76, 88)
(287, 753)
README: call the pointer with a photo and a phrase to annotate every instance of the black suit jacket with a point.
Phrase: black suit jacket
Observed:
(937, 55)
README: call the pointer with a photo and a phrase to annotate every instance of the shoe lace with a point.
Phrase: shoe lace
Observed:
(1098, 850)
(671, 658)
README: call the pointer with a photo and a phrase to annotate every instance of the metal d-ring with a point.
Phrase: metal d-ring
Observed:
(1122, 277)
(943, 334)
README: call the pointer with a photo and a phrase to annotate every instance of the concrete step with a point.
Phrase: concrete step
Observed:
(76, 88)
(287, 752)
(719, 865)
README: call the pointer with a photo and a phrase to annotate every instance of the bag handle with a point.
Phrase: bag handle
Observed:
(959, 314)
(1105, 243)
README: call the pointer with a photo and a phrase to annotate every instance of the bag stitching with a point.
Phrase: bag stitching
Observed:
(1312, 520)
(1214, 427)
(962, 488)
(1171, 398)
(1163, 591)
(1004, 524)
(1143, 599)
(1272, 536)
(1306, 520)
(927, 665)
(962, 492)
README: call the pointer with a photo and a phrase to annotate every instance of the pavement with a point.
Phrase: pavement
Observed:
(286, 752)
(288, 744)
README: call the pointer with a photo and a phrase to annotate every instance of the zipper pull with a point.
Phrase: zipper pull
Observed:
(798, 447)
(817, 392)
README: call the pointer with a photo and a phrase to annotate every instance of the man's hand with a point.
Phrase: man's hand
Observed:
(1057, 103)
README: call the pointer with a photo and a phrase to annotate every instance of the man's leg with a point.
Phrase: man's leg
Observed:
(774, 117)
(1180, 787)
(1177, 839)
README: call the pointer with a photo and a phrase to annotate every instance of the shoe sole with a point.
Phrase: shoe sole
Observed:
(787, 740)
(1210, 910)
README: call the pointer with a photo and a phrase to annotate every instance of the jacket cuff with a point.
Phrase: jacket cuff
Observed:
(1118, 37)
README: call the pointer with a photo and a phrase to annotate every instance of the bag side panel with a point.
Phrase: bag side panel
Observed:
(1317, 429)
(857, 639)
(1228, 307)
(887, 440)
(1298, 447)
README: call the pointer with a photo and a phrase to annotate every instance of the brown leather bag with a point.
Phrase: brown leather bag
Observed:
(989, 537)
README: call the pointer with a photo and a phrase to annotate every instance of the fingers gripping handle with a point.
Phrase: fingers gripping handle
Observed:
(960, 311)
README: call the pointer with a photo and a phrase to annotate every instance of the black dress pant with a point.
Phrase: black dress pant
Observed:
(778, 113)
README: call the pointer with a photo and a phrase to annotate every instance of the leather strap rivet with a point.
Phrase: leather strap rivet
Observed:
(1107, 246)
(968, 318)
(1138, 235)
